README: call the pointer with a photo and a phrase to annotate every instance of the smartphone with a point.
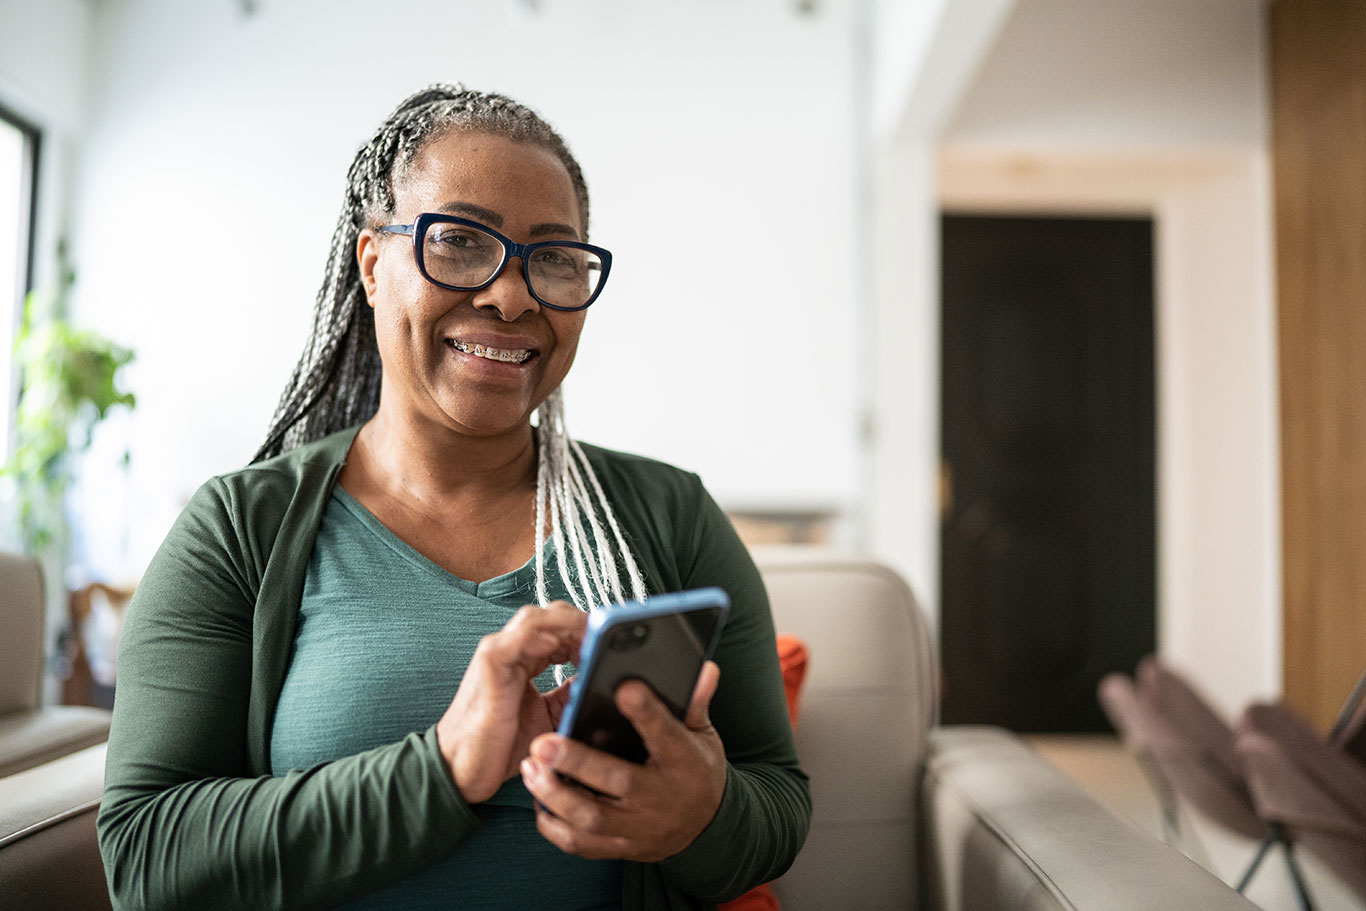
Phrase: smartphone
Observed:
(662, 641)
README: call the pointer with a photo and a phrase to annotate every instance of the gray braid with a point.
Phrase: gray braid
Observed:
(561, 493)
(336, 383)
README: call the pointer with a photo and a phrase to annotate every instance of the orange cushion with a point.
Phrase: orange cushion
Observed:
(792, 657)
(760, 898)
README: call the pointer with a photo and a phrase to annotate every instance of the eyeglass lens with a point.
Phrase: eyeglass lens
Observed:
(460, 255)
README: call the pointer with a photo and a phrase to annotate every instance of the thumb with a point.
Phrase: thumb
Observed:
(698, 717)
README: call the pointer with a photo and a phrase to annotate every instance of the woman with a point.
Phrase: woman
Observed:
(329, 690)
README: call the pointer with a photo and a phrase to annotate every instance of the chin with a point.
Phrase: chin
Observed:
(488, 425)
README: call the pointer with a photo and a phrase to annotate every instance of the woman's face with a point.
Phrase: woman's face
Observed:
(524, 192)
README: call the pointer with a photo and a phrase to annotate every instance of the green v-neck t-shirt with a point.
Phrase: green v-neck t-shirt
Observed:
(383, 637)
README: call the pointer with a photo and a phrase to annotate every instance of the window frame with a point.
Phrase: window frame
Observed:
(27, 261)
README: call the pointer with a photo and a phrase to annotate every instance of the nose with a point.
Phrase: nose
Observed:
(508, 293)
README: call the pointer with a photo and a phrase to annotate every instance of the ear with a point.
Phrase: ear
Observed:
(367, 255)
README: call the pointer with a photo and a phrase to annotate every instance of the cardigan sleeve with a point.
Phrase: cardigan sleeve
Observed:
(185, 821)
(765, 811)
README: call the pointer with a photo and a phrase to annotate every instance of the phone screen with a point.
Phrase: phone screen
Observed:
(663, 647)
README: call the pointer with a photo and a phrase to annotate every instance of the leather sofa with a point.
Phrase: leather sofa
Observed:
(51, 764)
(907, 815)
(48, 855)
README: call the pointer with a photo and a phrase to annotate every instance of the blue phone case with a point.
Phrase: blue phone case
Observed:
(663, 641)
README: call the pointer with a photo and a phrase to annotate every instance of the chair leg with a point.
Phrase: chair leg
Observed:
(1166, 801)
(1276, 835)
(1296, 878)
(1271, 838)
(1171, 827)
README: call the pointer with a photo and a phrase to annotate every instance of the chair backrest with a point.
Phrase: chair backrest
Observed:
(1119, 700)
(21, 633)
(1349, 731)
(1177, 700)
(866, 708)
(1193, 747)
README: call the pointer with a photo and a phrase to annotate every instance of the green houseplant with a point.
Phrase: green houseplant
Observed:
(68, 384)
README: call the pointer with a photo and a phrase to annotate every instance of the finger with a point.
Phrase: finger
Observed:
(563, 622)
(544, 785)
(564, 798)
(558, 616)
(698, 717)
(609, 775)
(647, 712)
(536, 635)
(572, 840)
(556, 700)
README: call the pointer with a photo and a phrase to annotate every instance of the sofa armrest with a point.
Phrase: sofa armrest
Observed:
(49, 857)
(1005, 829)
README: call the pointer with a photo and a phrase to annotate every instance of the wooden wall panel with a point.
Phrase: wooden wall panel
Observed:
(1318, 64)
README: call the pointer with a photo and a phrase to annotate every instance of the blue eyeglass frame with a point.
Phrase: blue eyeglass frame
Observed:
(418, 230)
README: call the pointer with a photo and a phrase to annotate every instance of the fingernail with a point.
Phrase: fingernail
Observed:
(548, 750)
(528, 768)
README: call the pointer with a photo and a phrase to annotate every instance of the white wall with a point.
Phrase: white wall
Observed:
(1160, 107)
(42, 59)
(926, 54)
(1220, 547)
(1119, 75)
(213, 168)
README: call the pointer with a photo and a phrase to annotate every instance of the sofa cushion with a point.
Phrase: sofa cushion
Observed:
(30, 738)
(868, 701)
(21, 632)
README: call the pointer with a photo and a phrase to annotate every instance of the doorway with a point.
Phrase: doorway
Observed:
(1047, 521)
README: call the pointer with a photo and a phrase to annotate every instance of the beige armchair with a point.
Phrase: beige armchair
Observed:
(31, 733)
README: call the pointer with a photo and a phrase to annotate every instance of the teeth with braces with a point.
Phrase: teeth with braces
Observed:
(506, 355)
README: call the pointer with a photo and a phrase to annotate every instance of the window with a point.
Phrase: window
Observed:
(18, 170)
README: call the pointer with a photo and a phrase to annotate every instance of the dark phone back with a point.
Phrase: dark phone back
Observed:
(664, 650)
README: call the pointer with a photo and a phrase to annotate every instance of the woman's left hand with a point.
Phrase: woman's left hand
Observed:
(641, 812)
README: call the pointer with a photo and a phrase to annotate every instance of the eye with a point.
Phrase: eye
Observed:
(559, 261)
(456, 237)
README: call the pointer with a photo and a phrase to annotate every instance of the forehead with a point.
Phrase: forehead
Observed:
(524, 183)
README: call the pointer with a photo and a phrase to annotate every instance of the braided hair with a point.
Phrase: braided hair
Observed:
(336, 383)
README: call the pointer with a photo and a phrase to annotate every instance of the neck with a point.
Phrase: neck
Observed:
(410, 456)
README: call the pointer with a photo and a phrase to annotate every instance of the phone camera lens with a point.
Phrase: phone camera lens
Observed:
(630, 637)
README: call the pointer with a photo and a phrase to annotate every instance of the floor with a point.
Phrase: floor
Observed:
(1101, 766)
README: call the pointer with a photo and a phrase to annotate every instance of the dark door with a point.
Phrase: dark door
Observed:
(1048, 522)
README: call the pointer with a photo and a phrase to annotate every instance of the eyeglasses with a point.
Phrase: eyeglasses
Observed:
(464, 255)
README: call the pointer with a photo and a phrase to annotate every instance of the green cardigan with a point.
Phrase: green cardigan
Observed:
(192, 818)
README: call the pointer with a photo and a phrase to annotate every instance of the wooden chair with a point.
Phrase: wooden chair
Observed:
(95, 610)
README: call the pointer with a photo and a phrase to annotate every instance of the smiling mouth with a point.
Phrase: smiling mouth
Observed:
(506, 355)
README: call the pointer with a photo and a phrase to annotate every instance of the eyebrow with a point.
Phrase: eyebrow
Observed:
(493, 219)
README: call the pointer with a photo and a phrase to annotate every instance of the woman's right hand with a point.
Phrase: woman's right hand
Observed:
(497, 712)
